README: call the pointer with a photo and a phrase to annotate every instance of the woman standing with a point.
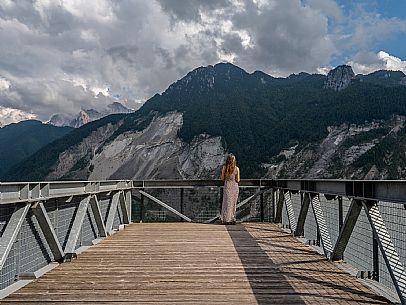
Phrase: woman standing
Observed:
(230, 174)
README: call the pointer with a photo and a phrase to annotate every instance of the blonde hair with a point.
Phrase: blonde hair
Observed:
(230, 165)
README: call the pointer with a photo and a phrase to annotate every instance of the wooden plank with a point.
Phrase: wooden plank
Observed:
(186, 263)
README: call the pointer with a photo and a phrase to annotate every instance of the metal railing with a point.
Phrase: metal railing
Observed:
(42, 222)
(360, 222)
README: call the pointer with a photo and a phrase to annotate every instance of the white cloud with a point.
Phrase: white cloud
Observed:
(87, 10)
(362, 28)
(98, 10)
(323, 70)
(391, 62)
(326, 7)
(10, 115)
(4, 84)
(97, 91)
(367, 62)
(6, 4)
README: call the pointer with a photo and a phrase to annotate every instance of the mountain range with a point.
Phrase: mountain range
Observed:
(306, 125)
(20, 140)
(86, 116)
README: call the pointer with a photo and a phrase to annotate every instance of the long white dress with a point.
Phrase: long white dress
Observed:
(230, 196)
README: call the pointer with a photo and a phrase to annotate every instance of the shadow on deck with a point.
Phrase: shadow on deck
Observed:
(281, 270)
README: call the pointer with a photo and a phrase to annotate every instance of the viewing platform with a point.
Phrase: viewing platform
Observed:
(159, 242)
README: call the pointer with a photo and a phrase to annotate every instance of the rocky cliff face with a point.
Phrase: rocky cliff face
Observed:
(153, 153)
(343, 153)
(339, 78)
(84, 117)
(60, 120)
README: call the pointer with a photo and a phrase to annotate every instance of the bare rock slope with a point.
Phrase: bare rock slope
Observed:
(153, 153)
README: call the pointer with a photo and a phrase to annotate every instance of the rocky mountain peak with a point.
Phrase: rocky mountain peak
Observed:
(339, 78)
(60, 120)
(205, 78)
(117, 107)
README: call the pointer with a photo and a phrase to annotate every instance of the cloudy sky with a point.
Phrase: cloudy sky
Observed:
(58, 56)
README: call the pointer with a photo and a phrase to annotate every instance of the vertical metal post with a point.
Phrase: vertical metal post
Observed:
(221, 199)
(17, 258)
(305, 202)
(112, 212)
(128, 201)
(375, 257)
(290, 211)
(279, 206)
(124, 207)
(181, 203)
(340, 213)
(318, 237)
(261, 196)
(142, 207)
(56, 217)
(273, 205)
(340, 216)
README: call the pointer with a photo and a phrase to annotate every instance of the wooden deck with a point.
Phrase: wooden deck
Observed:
(182, 263)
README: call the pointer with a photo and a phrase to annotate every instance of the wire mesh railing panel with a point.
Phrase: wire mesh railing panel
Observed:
(310, 227)
(201, 204)
(24, 248)
(33, 249)
(135, 206)
(285, 218)
(6, 211)
(104, 203)
(66, 211)
(359, 249)
(118, 218)
(269, 206)
(88, 231)
(296, 204)
(251, 211)
(331, 216)
(9, 271)
(153, 212)
(394, 216)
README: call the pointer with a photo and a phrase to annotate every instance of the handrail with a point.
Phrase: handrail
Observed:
(382, 190)
(19, 192)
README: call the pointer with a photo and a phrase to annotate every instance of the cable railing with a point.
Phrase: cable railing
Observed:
(362, 223)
